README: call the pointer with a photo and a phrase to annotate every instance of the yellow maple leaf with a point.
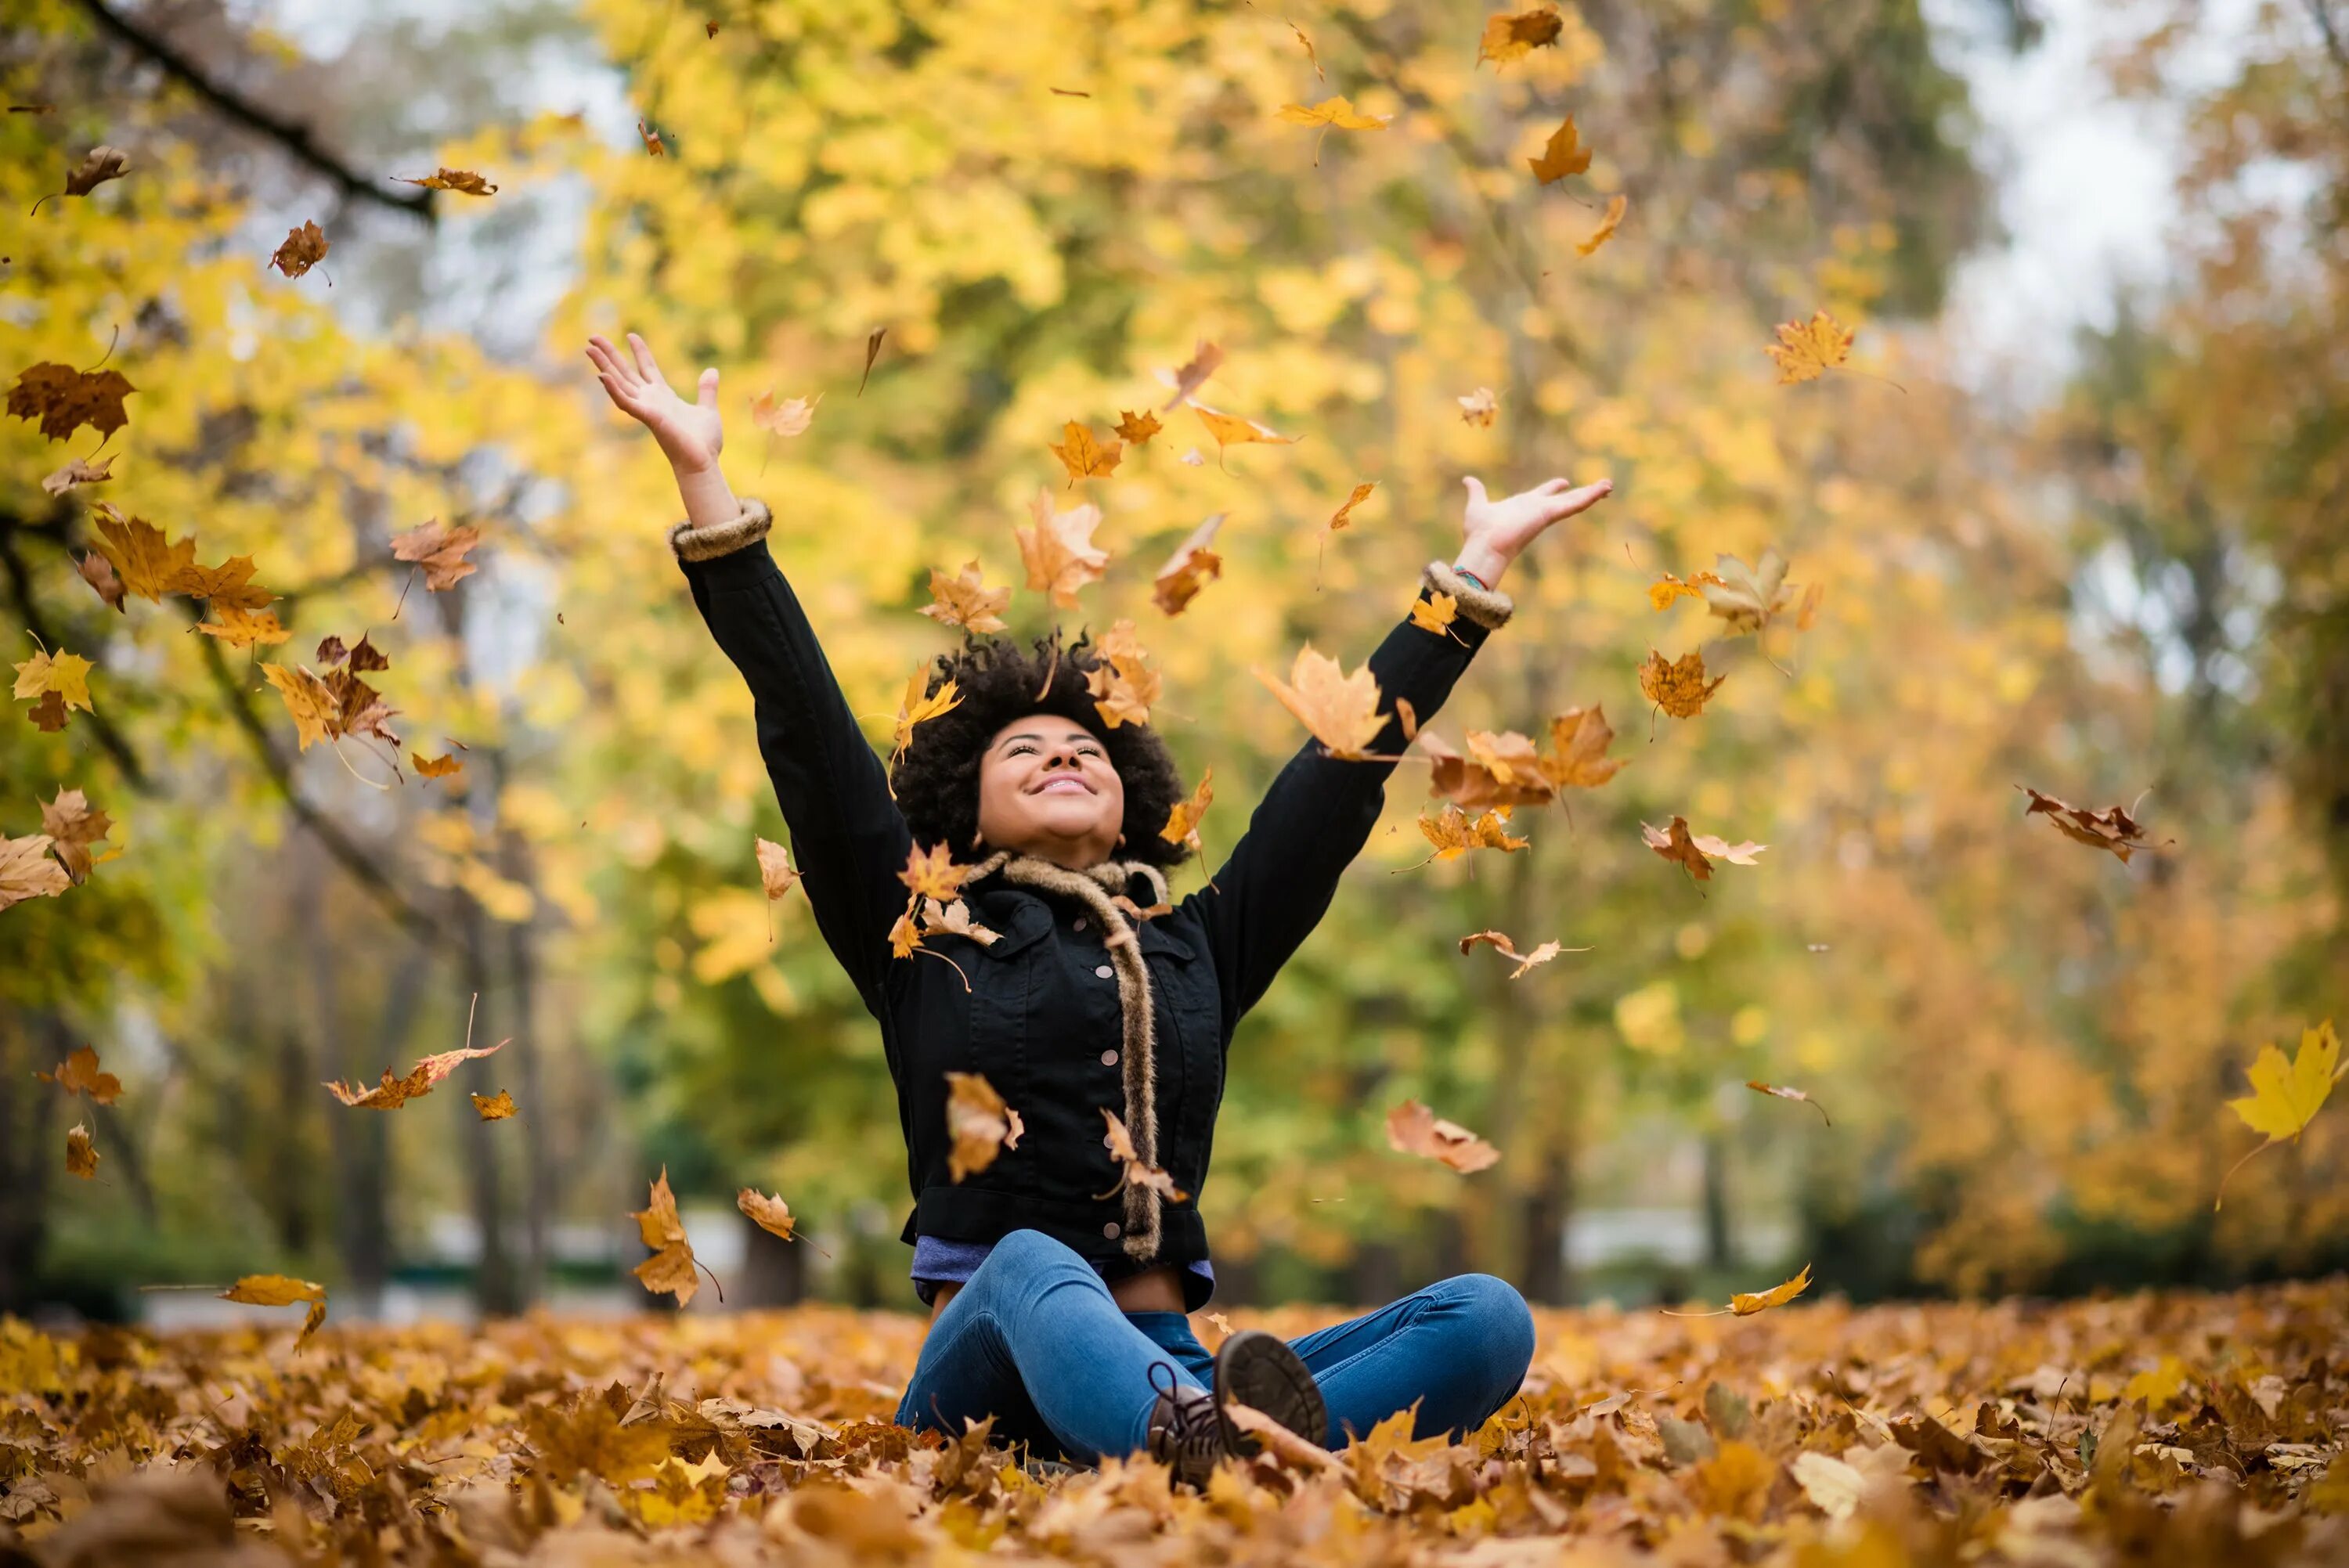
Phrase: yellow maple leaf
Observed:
(67, 675)
(1059, 551)
(669, 1271)
(964, 599)
(1333, 112)
(80, 1074)
(1085, 455)
(917, 708)
(1512, 37)
(447, 766)
(1183, 821)
(282, 1290)
(1340, 710)
(1135, 429)
(1479, 407)
(1498, 770)
(441, 549)
(1745, 1303)
(316, 710)
(1231, 431)
(1697, 851)
(775, 873)
(445, 179)
(140, 554)
(2286, 1096)
(1454, 832)
(933, 873)
(392, 1093)
(230, 583)
(978, 1122)
(785, 416)
(28, 870)
(75, 825)
(1678, 686)
(243, 629)
(493, 1107)
(1609, 222)
(1806, 350)
(1435, 612)
(1577, 759)
(771, 1215)
(1188, 569)
(1345, 514)
(1564, 155)
(81, 1154)
(1122, 683)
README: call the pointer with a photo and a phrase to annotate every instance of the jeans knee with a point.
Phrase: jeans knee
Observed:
(1497, 1326)
(1031, 1254)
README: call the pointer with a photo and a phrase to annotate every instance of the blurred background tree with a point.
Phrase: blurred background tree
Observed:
(2024, 1043)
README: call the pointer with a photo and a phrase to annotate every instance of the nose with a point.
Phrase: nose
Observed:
(1061, 755)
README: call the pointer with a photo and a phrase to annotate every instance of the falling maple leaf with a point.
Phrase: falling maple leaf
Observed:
(79, 472)
(1500, 943)
(1668, 589)
(2286, 1096)
(1059, 551)
(1085, 455)
(98, 571)
(1120, 682)
(1434, 613)
(1337, 113)
(1579, 740)
(28, 870)
(1341, 711)
(2111, 829)
(964, 599)
(80, 1074)
(495, 1107)
(1183, 821)
(436, 767)
(459, 179)
(933, 873)
(64, 400)
(61, 672)
(776, 876)
(1311, 57)
(282, 1290)
(241, 628)
(1678, 686)
(872, 353)
(771, 1215)
(1745, 1303)
(1205, 360)
(339, 704)
(75, 825)
(1345, 514)
(979, 1124)
(1135, 1170)
(1609, 222)
(230, 583)
(1779, 1091)
(1454, 832)
(303, 249)
(670, 1269)
(1479, 407)
(441, 549)
(81, 1154)
(1135, 429)
(905, 935)
(1564, 155)
(1187, 569)
(139, 552)
(1513, 37)
(917, 708)
(791, 417)
(1697, 851)
(953, 918)
(1412, 1128)
(98, 165)
(1808, 350)
(1499, 769)
(1231, 431)
(394, 1092)
(652, 140)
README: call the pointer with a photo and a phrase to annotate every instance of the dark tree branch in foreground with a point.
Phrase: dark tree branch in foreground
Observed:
(293, 137)
(20, 591)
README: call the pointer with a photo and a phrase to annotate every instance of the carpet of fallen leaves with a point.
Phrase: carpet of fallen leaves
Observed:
(2180, 1429)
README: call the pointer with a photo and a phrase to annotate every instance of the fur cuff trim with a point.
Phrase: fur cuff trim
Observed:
(1488, 607)
(718, 539)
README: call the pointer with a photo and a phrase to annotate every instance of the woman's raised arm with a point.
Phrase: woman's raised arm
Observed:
(848, 836)
(1319, 810)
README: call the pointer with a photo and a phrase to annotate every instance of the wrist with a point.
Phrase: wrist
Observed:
(708, 499)
(1481, 562)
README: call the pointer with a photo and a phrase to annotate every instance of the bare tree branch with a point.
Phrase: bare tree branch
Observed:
(20, 592)
(2322, 10)
(294, 139)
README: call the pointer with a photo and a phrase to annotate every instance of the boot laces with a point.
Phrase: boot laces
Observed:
(1185, 1431)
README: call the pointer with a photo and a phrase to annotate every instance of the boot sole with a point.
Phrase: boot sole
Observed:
(1262, 1372)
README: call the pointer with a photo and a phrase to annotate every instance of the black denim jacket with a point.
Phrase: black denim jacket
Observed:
(1040, 1019)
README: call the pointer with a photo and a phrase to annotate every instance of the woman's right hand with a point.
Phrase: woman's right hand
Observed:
(688, 433)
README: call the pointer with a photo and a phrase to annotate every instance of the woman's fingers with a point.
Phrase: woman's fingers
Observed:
(608, 362)
(1575, 501)
(1476, 490)
(1552, 487)
(646, 366)
(707, 397)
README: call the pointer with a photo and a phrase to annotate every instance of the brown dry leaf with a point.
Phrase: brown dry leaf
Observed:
(1806, 350)
(1675, 844)
(669, 1271)
(775, 873)
(81, 1154)
(1513, 37)
(1434, 613)
(64, 400)
(1500, 943)
(917, 708)
(1059, 550)
(394, 1092)
(981, 1124)
(1781, 1092)
(459, 179)
(905, 935)
(48, 716)
(80, 1074)
(1345, 514)
(1745, 1303)
(75, 825)
(1122, 683)
(139, 552)
(791, 417)
(1084, 455)
(98, 572)
(447, 766)
(1498, 770)
(1231, 431)
(79, 472)
(282, 1290)
(1311, 57)
(964, 599)
(652, 140)
(933, 873)
(1609, 222)
(304, 248)
(339, 703)
(1204, 361)
(1454, 832)
(1747, 598)
(241, 628)
(1564, 155)
(1137, 1173)
(229, 584)
(28, 870)
(98, 165)
(1287, 1448)
(313, 707)
(2111, 829)
(493, 1107)
(1182, 823)
(1579, 740)
(953, 918)
(1665, 590)
(65, 674)
(441, 549)
(1479, 407)
(1135, 429)
(1340, 710)
(1678, 686)
(1412, 1128)
(872, 353)
(1188, 569)
(771, 1215)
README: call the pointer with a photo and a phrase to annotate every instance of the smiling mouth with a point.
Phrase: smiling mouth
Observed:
(1063, 784)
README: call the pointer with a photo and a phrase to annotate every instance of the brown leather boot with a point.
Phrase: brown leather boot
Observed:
(1188, 1428)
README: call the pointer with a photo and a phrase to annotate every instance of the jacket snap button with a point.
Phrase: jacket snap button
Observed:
(1104, 971)
(1110, 1230)
(1109, 1059)
(1078, 923)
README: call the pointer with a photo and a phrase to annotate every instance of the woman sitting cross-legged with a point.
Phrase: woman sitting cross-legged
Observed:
(1055, 1309)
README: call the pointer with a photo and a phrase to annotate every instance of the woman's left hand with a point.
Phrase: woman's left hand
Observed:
(1496, 531)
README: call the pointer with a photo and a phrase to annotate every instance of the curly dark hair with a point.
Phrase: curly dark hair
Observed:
(937, 777)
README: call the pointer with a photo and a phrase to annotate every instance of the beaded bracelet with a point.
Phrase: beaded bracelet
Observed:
(1472, 577)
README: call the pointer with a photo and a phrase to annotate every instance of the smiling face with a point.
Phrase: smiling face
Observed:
(1046, 788)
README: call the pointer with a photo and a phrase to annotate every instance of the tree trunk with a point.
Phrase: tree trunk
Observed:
(28, 1044)
(1719, 1253)
(533, 1125)
(1548, 1277)
(775, 1271)
(495, 1285)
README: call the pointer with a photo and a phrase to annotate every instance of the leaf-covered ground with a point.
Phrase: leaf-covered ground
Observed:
(2174, 1428)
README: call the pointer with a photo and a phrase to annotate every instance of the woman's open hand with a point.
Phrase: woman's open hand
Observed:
(688, 433)
(1496, 531)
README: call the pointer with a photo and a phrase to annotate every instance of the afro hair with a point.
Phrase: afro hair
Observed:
(937, 775)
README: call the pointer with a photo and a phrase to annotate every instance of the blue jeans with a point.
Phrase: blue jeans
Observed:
(1036, 1341)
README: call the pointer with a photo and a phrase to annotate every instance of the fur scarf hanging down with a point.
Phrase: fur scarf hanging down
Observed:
(1094, 889)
